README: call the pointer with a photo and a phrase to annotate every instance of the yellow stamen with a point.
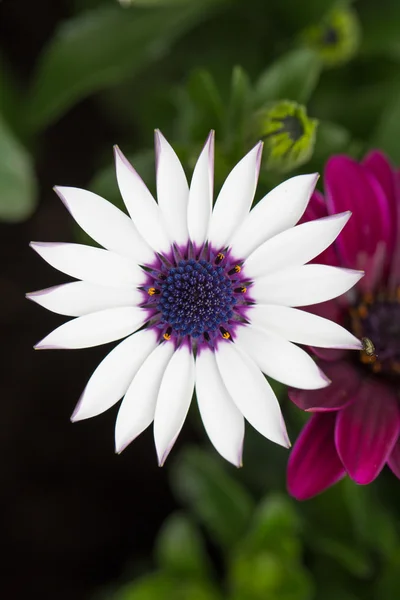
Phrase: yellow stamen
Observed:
(152, 291)
(167, 336)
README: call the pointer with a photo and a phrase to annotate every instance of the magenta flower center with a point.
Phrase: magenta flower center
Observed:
(378, 320)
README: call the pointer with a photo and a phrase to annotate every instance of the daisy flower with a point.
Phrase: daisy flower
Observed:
(205, 294)
(356, 422)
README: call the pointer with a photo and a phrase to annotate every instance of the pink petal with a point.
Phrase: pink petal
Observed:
(378, 164)
(341, 392)
(394, 459)
(351, 186)
(313, 463)
(394, 275)
(317, 209)
(367, 430)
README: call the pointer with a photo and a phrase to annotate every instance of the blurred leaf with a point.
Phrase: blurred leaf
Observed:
(162, 587)
(274, 520)
(293, 76)
(17, 178)
(101, 48)
(387, 133)
(239, 110)
(263, 575)
(180, 548)
(217, 499)
(353, 559)
(388, 585)
(297, 15)
(331, 139)
(205, 96)
(380, 28)
(154, 2)
(373, 525)
(10, 100)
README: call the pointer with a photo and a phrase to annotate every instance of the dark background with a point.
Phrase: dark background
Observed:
(73, 513)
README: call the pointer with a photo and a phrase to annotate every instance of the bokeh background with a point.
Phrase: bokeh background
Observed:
(77, 76)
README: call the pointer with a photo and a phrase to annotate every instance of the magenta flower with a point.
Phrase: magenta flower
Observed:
(356, 422)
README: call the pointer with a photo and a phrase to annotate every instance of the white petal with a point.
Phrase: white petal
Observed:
(173, 401)
(94, 265)
(302, 327)
(114, 375)
(277, 211)
(201, 193)
(97, 328)
(142, 207)
(105, 223)
(235, 198)
(137, 408)
(251, 392)
(301, 286)
(172, 190)
(295, 246)
(222, 419)
(81, 298)
(280, 359)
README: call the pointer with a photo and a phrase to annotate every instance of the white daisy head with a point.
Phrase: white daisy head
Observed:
(206, 295)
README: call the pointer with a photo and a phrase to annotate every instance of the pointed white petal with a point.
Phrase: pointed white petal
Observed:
(251, 392)
(302, 327)
(295, 246)
(305, 285)
(105, 223)
(201, 194)
(142, 207)
(222, 419)
(94, 265)
(114, 375)
(81, 298)
(172, 190)
(280, 359)
(97, 328)
(173, 401)
(277, 211)
(235, 198)
(137, 408)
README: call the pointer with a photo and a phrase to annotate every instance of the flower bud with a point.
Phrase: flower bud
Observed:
(288, 135)
(336, 38)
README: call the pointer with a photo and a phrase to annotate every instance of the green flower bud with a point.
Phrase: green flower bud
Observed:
(288, 135)
(336, 38)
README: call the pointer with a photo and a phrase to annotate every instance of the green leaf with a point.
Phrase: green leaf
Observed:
(101, 48)
(353, 559)
(275, 521)
(264, 575)
(373, 524)
(293, 76)
(239, 110)
(205, 96)
(388, 584)
(217, 499)
(380, 28)
(159, 586)
(17, 178)
(387, 133)
(180, 548)
(331, 139)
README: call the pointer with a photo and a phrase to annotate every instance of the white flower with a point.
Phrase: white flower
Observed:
(205, 296)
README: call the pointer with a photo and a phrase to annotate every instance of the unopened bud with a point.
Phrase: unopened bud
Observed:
(336, 38)
(288, 135)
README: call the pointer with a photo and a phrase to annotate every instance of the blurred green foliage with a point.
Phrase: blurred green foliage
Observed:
(187, 66)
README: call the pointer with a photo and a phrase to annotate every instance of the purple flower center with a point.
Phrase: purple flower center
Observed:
(378, 320)
(204, 297)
